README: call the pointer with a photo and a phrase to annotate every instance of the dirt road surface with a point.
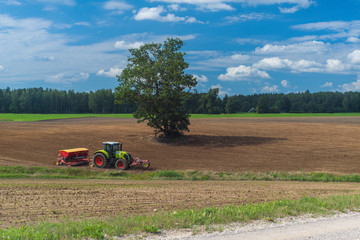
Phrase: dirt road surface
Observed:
(343, 227)
(330, 144)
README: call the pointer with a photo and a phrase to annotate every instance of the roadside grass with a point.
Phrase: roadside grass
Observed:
(193, 218)
(40, 117)
(14, 172)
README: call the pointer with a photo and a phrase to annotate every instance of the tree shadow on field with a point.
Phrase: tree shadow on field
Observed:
(225, 141)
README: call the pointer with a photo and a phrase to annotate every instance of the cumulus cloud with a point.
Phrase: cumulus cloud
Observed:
(113, 72)
(125, 46)
(270, 89)
(327, 84)
(275, 63)
(159, 14)
(201, 78)
(242, 72)
(354, 56)
(67, 78)
(285, 83)
(334, 65)
(348, 87)
(117, 7)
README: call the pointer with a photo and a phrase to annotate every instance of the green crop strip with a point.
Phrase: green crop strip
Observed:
(40, 117)
(14, 172)
(120, 226)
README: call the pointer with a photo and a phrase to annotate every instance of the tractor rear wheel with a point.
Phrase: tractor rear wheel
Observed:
(121, 164)
(100, 160)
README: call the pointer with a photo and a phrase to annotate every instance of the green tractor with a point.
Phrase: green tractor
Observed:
(113, 155)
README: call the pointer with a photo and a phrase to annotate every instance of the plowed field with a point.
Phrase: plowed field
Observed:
(24, 201)
(234, 144)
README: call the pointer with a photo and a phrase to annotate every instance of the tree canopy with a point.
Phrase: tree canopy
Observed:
(155, 80)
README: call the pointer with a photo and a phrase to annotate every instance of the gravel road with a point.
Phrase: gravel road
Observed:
(340, 226)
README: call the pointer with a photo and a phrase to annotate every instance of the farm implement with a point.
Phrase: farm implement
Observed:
(111, 155)
(73, 157)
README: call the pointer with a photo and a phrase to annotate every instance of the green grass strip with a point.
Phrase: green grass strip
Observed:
(276, 115)
(40, 117)
(120, 226)
(15, 172)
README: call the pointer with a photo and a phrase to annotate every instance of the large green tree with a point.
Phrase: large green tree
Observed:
(155, 80)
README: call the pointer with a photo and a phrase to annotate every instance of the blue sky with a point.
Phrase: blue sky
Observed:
(238, 46)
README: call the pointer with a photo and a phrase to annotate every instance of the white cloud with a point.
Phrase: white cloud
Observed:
(273, 63)
(155, 14)
(221, 91)
(12, 2)
(125, 46)
(242, 72)
(30, 51)
(250, 17)
(67, 78)
(327, 85)
(113, 72)
(354, 56)
(270, 89)
(44, 58)
(70, 3)
(201, 78)
(82, 24)
(176, 7)
(239, 57)
(300, 5)
(1, 68)
(285, 83)
(350, 31)
(353, 39)
(353, 86)
(304, 47)
(223, 5)
(334, 65)
(118, 7)
(331, 25)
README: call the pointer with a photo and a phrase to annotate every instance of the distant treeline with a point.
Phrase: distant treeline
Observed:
(39, 100)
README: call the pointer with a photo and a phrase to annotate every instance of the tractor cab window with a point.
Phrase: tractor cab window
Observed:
(116, 147)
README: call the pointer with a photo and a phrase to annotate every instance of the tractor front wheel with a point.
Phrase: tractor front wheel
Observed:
(100, 160)
(121, 164)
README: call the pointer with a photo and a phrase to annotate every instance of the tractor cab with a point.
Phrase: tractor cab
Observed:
(112, 147)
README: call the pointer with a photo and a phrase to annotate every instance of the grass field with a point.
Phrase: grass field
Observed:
(40, 117)
(22, 172)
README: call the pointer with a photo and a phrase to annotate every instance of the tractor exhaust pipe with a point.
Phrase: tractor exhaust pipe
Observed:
(120, 146)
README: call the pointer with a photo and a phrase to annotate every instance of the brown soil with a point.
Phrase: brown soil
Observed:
(25, 201)
(234, 144)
